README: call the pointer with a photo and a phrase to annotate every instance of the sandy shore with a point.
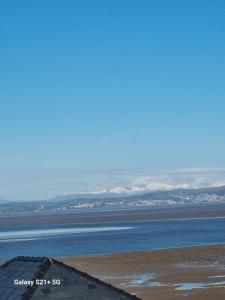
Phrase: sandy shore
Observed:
(186, 273)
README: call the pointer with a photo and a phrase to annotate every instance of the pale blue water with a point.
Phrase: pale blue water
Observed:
(100, 238)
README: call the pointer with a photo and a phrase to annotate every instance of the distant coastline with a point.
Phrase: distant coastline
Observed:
(188, 211)
(67, 203)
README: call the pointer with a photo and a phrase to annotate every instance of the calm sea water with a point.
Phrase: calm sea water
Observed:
(100, 238)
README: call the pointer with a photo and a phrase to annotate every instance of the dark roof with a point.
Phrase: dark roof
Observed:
(74, 284)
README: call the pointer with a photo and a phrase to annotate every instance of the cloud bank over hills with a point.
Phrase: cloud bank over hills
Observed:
(50, 184)
(192, 178)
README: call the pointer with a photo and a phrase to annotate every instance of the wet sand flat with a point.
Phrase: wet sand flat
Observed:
(195, 273)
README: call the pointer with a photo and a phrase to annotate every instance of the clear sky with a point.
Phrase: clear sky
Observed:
(109, 94)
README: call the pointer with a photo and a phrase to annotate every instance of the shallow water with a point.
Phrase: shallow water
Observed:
(113, 237)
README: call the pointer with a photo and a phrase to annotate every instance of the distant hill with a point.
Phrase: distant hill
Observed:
(111, 201)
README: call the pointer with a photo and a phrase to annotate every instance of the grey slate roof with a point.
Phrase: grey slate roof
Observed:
(74, 284)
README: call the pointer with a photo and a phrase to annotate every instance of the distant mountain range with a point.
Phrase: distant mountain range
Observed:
(111, 201)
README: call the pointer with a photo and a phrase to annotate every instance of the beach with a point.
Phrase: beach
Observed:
(194, 273)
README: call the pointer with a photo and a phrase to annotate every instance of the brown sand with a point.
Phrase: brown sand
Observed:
(170, 269)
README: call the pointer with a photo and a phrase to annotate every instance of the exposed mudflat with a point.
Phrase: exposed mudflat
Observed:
(195, 273)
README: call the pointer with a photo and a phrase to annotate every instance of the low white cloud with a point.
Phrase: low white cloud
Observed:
(167, 182)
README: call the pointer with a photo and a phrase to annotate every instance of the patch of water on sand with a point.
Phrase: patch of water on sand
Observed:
(142, 279)
(138, 280)
(198, 285)
(145, 284)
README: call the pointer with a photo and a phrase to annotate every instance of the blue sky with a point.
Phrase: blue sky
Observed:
(98, 94)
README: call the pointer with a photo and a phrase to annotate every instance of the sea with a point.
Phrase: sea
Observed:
(113, 237)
